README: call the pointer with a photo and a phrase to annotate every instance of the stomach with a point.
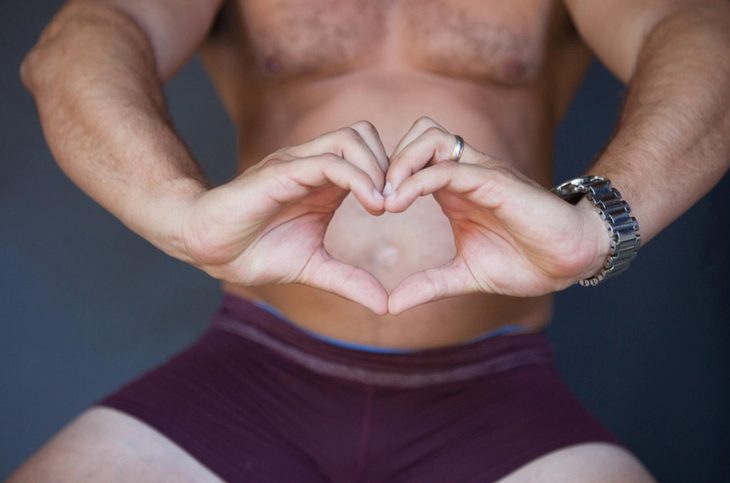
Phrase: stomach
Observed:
(508, 123)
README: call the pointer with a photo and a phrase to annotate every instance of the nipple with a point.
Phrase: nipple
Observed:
(514, 69)
(272, 64)
(386, 256)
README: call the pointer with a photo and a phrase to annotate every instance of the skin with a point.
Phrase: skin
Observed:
(324, 125)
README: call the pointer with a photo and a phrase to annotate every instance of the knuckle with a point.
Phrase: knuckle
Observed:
(270, 161)
(364, 124)
(280, 156)
(329, 158)
(263, 166)
(281, 151)
(433, 131)
(272, 167)
(348, 134)
(424, 121)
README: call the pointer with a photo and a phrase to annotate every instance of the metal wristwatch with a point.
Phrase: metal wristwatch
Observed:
(615, 212)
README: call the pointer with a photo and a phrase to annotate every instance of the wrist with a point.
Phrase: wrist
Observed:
(597, 238)
(160, 215)
(622, 228)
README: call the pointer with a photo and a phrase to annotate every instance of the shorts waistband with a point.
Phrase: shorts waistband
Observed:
(502, 330)
(415, 368)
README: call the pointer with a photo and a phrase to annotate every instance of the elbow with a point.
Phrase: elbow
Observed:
(25, 74)
(78, 40)
(38, 58)
(711, 17)
(698, 24)
(29, 70)
(36, 68)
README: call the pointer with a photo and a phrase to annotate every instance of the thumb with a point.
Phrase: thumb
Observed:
(353, 283)
(448, 280)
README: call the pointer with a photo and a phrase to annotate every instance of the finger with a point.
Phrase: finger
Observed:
(448, 280)
(372, 139)
(349, 144)
(353, 283)
(293, 180)
(433, 146)
(416, 129)
(485, 186)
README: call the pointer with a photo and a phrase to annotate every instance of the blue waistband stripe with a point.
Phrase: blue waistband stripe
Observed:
(502, 330)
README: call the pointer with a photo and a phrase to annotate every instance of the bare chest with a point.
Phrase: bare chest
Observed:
(501, 41)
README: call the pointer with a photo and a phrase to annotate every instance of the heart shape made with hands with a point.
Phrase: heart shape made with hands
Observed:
(513, 236)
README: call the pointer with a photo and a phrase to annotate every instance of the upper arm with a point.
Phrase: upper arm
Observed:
(174, 28)
(616, 29)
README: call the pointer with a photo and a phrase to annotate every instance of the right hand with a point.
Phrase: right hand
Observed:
(267, 225)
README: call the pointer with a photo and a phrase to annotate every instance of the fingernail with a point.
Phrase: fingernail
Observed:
(377, 194)
(388, 189)
(391, 195)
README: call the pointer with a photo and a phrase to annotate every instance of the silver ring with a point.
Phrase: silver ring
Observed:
(458, 149)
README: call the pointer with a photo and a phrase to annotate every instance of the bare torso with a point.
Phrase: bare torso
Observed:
(498, 73)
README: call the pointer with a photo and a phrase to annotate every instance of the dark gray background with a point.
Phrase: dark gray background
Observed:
(85, 305)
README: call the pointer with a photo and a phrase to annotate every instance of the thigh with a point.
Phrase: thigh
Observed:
(594, 462)
(103, 444)
(219, 410)
(517, 425)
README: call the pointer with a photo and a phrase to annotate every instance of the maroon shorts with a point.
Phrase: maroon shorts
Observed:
(258, 399)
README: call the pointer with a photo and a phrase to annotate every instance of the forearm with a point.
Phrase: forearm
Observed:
(672, 144)
(94, 78)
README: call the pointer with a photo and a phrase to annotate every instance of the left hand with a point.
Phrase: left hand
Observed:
(513, 236)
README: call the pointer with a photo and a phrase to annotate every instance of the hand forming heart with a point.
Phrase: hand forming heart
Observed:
(513, 237)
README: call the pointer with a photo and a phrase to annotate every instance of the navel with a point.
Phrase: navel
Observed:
(386, 256)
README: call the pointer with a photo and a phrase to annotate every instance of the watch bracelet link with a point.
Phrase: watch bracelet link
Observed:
(615, 212)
